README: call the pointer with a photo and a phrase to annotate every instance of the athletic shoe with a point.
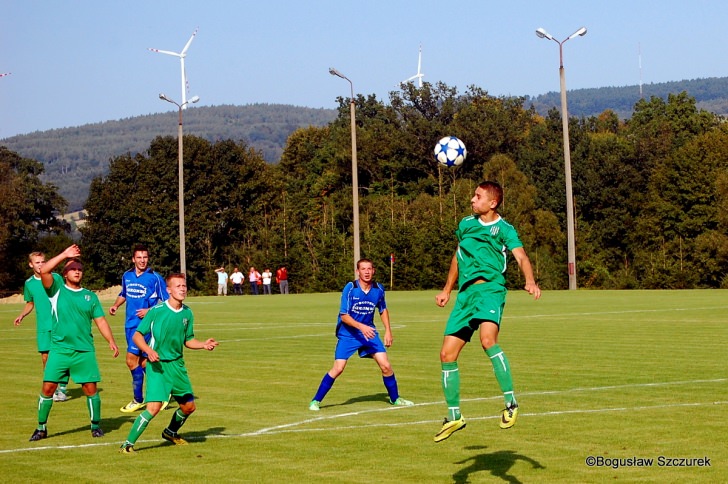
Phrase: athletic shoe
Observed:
(38, 435)
(132, 406)
(173, 437)
(126, 448)
(165, 404)
(449, 427)
(96, 433)
(401, 402)
(315, 405)
(508, 419)
(59, 396)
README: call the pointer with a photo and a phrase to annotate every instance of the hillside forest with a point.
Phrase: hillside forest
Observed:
(650, 193)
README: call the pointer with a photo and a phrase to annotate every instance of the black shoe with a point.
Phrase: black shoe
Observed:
(38, 435)
(97, 432)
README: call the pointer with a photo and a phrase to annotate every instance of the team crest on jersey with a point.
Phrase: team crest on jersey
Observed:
(494, 230)
(88, 298)
(185, 321)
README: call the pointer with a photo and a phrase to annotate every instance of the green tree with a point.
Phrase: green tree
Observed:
(29, 212)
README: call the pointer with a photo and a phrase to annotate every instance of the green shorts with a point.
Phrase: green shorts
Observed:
(475, 304)
(44, 341)
(165, 378)
(79, 365)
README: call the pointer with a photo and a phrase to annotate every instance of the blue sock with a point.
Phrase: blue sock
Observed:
(137, 383)
(326, 383)
(390, 382)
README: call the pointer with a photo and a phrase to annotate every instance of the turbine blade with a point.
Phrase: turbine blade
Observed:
(187, 45)
(6, 74)
(168, 52)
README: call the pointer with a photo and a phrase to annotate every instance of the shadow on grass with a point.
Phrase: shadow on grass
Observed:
(192, 437)
(497, 463)
(377, 397)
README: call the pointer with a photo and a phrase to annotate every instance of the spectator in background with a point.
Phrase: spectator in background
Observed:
(267, 278)
(253, 278)
(222, 281)
(237, 279)
(282, 279)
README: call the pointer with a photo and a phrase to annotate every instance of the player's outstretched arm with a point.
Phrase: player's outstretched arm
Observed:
(105, 331)
(195, 344)
(452, 277)
(117, 304)
(525, 264)
(26, 311)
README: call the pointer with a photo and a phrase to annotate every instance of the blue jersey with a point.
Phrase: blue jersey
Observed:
(141, 292)
(360, 306)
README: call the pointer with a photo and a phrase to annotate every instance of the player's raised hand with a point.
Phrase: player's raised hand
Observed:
(72, 251)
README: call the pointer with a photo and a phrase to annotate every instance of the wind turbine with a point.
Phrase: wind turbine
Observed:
(181, 55)
(419, 74)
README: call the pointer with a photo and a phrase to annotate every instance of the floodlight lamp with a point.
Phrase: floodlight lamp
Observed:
(194, 99)
(542, 34)
(334, 72)
(581, 32)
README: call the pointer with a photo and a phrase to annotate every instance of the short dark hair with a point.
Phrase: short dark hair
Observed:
(360, 261)
(494, 190)
(139, 248)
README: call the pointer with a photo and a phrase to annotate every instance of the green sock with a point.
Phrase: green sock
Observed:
(140, 424)
(502, 370)
(451, 389)
(94, 410)
(44, 409)
(178, 420)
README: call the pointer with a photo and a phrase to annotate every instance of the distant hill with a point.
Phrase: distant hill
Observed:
(711, 94)
(74, 156)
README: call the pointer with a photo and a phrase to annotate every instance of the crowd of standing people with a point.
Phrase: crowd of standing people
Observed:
(260, 283)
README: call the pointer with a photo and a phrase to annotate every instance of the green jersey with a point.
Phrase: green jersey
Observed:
(33, 291)
(169, 328)
(482, 249)
(72, 311)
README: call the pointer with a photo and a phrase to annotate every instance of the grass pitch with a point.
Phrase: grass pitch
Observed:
(619, 376)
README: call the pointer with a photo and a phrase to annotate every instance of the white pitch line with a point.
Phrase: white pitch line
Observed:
(290, 427)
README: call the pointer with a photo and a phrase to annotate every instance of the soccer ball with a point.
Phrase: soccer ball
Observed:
(450, 151)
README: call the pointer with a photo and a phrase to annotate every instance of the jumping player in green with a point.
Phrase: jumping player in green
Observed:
(170, 325)
(36, 298)
(72, 344)
(478, 266)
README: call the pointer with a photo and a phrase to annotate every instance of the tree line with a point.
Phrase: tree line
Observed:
(649, 195)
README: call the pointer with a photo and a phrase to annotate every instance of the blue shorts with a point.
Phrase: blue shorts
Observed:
(348, 345)
(130, 346)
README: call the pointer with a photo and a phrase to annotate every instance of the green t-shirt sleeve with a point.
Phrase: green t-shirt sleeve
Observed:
(190, 330)
(97, 310)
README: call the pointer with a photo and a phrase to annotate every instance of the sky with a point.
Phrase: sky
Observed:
(76, 62)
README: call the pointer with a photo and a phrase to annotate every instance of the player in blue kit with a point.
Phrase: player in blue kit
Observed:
(355, 331)
(141, 289)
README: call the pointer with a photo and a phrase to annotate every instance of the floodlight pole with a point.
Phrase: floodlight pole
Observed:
(180, 175)
(570, 229)
(354, 170)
